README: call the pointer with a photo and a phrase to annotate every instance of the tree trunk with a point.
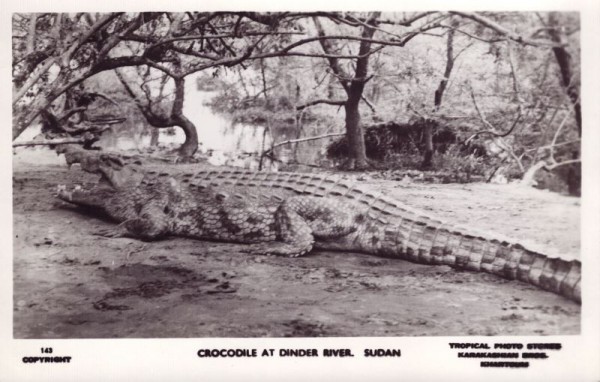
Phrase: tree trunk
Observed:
(190, 146)
(354, 132)
(176, 117)
(428, 138)
(31, 34)
(354, 88)
(574, 176)
(25, 115)
(528, 178)
(563, 58)
(154, 137)
(356, 136)
(437, 100)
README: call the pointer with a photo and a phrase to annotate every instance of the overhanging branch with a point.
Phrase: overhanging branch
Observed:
(489, 23)
(321, 101)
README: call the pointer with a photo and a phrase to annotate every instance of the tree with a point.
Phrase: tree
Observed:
(57, 52)
(177, 44)
(438, 96)
(76, 48)
(354, 87)
(163, 116)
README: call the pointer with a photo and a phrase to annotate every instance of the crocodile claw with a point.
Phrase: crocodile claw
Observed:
(110, 232)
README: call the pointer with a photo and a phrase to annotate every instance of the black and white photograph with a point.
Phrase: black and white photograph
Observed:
(240, 174)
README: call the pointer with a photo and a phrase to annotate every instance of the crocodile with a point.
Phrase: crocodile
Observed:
(291, 214)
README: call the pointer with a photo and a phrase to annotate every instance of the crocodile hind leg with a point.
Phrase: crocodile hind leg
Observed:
(295, 236)
(147, 222)
(300, 219)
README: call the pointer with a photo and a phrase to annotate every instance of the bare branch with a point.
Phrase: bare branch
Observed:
(555, 145)
(115, 38)
(18, 94)
(411, 20)
(220, 37)
(67, 114)
(503, 31)
(306, 139)
(472, 35)
(563, 163)
(64, 58)
(328, 48)
(369, 104)
(66, 141)
(432, 24)
(320, 101)
(479, 112)
(144, 108)
(556, 134)
(501, 144)
(104, 21)
(317, 55)
(513, 71)
(492, 130)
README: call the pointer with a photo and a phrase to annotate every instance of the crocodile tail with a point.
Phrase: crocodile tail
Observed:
(424, 243)
(418, 237)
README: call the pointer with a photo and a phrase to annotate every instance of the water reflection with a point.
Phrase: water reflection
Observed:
(36, 155)
(221, 141)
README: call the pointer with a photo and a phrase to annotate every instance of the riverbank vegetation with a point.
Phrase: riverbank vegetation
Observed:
(490, 95)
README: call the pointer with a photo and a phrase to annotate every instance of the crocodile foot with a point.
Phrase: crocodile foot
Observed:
(113, 232)
(277, 249)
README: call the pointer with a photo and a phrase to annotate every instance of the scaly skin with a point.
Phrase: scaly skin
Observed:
(155, 209)
(306, 211)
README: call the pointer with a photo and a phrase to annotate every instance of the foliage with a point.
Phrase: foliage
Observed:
(386, 139)
(253, 110)
(513, 85)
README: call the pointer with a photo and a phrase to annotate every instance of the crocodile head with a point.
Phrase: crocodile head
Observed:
(146, 208)
(112, 168)
(115, 176)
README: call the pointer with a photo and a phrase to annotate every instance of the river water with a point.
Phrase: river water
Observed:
(221, 141)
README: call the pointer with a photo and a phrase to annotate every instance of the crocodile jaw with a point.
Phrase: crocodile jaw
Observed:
(97, 196)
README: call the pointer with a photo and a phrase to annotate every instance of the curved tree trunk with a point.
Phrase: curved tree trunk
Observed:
(190, 146)
(176, 117)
